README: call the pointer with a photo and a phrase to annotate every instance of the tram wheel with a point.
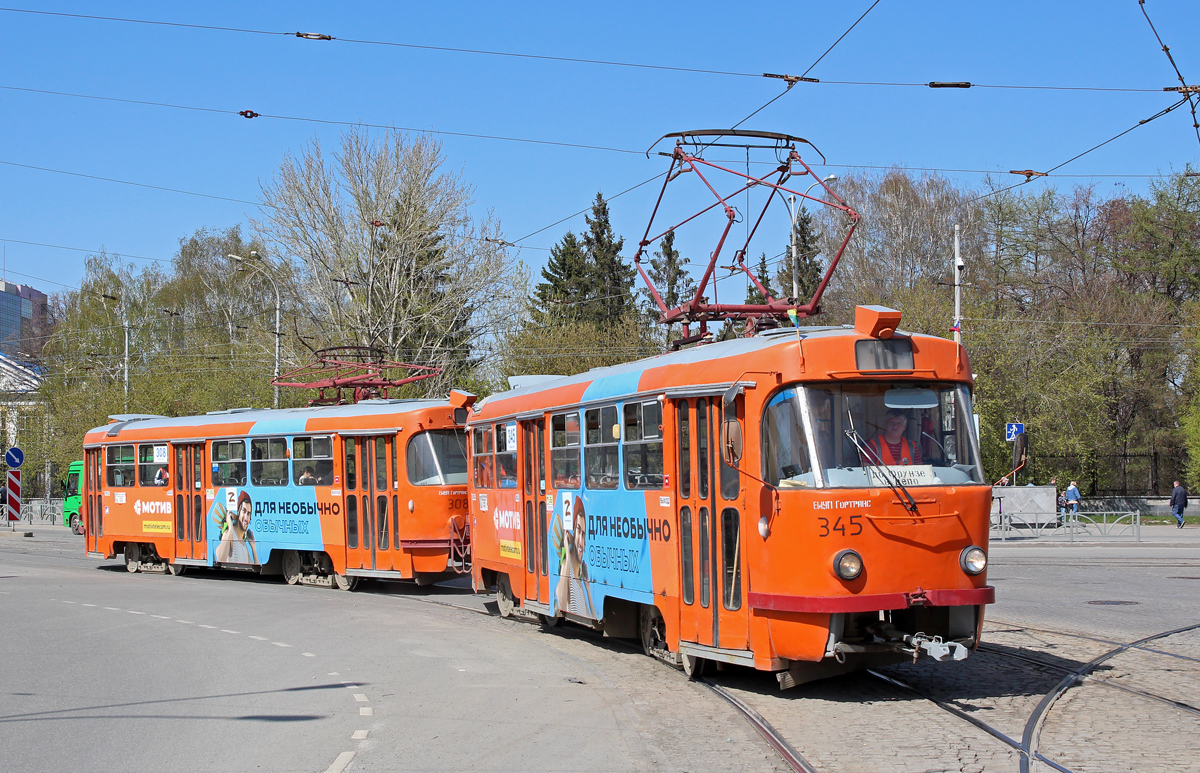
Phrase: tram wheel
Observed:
(653, 630)
(342, 582)
(693, 666)
(291, 567)
(504, 597)
(177, 570)
(548, 621)
(132, 557)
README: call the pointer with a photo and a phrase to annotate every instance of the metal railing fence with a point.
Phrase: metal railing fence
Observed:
(1068, 527)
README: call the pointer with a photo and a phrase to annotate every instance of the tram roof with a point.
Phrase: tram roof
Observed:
(629, 373)
(265, 421)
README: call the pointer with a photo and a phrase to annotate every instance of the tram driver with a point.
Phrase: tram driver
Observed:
(890, 446)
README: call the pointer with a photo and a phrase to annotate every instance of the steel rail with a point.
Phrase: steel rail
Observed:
(764, 728)
(1018, 626)
(1033, 726)
(1095, 680)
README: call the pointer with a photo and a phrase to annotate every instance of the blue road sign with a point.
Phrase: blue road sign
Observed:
(14, 457)
(1012, 429)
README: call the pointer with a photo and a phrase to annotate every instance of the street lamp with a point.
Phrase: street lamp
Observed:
(261, 266)
(791, 202)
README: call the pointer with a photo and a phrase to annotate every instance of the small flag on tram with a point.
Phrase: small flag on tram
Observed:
(794, 317)
(956, 327)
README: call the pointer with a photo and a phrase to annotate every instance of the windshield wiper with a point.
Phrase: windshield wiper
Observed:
(869, 457)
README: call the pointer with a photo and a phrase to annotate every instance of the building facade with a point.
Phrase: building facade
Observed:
(22, 319)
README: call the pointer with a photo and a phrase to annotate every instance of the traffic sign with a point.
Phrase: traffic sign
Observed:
(14, 457)
(14, 495)
(1012, 429)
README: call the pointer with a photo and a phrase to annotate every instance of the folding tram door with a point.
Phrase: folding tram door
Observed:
(535, 518)
(93, 470)
(371, 517)
(711, 612)
(190, 531)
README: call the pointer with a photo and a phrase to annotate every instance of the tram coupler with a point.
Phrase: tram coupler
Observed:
(935, 648)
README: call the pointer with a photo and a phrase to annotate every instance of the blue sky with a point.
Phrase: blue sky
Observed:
(528, 186)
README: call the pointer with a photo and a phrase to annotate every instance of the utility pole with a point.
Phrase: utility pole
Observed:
(795, 268)
(125, 324)
(958, 269)
(261, 266)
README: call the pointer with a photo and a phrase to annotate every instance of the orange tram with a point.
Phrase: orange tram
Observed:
(805, 501)
(323, 495)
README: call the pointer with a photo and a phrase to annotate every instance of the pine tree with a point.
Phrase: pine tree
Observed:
(566, 283)
(672, 280)
(753, 294)
(809, 268)
(610, 278)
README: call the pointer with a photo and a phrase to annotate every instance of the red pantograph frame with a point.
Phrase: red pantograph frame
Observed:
(683, 160)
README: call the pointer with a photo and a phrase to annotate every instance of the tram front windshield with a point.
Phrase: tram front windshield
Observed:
(857, 435)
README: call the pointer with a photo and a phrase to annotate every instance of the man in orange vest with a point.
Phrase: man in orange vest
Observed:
(890, 446)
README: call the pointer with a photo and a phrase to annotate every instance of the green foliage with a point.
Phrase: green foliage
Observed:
(609, 279)
(668, 271)
(809, 268)
(754, 296)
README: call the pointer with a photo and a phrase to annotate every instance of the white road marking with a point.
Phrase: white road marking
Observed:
(340, 763)
(89, 605)
(185, 622)
(333, 673)
(259, 638)
(112, 609)
(132, 612)
(202, 625)
(359, 735)
(226, 630)
(308, 654)
(365, 711)
(280, 644)
(361, 698)
(162, 617)
(68, 602)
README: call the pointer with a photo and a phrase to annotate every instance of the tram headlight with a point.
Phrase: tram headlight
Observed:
(973, 560)
(848, 565)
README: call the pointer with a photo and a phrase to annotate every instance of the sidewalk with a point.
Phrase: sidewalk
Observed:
(1153, 536)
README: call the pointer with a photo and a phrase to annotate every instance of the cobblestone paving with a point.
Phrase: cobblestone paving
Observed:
(669, 722)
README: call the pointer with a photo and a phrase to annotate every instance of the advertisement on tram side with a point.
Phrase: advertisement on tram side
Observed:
(249, 522)
(599, 544)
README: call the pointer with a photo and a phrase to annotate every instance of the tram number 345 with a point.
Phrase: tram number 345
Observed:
(855, 525)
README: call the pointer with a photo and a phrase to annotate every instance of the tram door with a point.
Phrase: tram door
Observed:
(94, 472)
(370, 517)
(534, 519)
(710, 547)
(190, 539)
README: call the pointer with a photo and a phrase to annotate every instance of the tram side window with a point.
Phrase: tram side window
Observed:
(268, 461)
(312, 461)
(481, 445)
(437, 457)
(119, 467)
(506, 454)
(151, 472)
(601, 454)
(351, 471)
(731, 559)
(643, 449)
(229, 462)
(731, 483)
(564, 450)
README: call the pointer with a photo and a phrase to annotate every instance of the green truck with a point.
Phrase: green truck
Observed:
(71, 497)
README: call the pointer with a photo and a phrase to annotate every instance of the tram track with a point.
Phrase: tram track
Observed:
(772, 736)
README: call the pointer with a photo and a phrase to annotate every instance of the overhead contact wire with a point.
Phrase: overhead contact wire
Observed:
(1187, 94)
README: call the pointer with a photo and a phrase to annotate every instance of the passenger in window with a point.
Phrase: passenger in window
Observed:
(891, 447)
(307, 478)
(237, 541)
(162, 477)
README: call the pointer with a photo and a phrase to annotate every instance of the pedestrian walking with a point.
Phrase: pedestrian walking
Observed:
(1071, 495)
(1178, 503)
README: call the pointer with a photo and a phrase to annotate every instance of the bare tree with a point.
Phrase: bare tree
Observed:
(385, 251)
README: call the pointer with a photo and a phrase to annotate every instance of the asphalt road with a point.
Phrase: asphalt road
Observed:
(215, 671)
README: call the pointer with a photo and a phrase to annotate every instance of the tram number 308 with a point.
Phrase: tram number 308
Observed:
(855, 526)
